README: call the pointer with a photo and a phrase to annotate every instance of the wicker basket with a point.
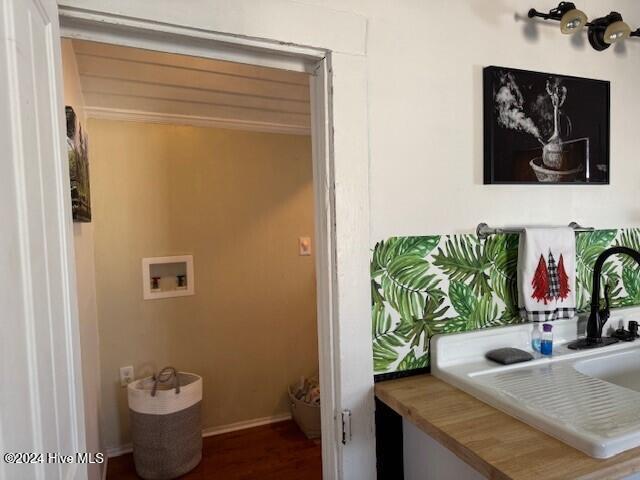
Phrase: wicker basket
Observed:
(305, 415)
(166, 425)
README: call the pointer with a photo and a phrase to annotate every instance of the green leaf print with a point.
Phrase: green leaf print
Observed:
(484, 315)
(402, 274)
(410, 362)
(474, 312)
(405, 283)
(431, 321)
(629, 238)
(502, 250)
(589, 246)
(462, 299)
(455, 325)
(376, 296)
(386, 251)
(386, 342)
(631, 282)
(463, 260)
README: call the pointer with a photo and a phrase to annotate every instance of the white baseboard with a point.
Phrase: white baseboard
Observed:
(209, 432)
(256, 422)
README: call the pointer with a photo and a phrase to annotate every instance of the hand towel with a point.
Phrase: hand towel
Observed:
(547, 274)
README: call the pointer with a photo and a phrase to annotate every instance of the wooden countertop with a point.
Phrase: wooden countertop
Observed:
(494, 443)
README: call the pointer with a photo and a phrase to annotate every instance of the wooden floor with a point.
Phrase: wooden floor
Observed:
(277, 451)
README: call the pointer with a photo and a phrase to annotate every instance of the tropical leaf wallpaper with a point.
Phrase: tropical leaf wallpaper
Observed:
(421, 286)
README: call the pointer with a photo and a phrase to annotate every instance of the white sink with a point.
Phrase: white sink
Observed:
(589, 399)
(619, 368)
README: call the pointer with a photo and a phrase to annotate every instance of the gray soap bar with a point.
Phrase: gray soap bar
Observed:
(507, 356)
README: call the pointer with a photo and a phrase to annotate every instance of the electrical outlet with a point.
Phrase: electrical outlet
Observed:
(126, 375)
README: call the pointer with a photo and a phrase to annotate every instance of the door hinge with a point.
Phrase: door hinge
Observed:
(346, 426)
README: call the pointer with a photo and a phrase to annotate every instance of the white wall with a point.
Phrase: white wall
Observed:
(425, 100)
(85, 275)
(424, 79)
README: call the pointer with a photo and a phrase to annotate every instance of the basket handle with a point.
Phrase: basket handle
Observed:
(163, 377)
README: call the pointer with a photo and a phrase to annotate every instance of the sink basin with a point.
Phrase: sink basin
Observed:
(621, 368)
(589, 399)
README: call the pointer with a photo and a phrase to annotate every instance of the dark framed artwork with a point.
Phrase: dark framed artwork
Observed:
(78, 153)
(542, 128)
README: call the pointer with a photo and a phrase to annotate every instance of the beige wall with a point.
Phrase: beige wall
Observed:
(238, 202)
(85, 275)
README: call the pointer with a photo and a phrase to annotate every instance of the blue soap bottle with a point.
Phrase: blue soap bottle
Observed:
(546, 340)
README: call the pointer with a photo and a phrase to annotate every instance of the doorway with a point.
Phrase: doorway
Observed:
(339, 65)
(210, 160)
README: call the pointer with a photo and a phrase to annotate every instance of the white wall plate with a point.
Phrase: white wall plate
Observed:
(167, 269)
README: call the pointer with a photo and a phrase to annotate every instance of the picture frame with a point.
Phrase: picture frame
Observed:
(78, 157)
(544, 128)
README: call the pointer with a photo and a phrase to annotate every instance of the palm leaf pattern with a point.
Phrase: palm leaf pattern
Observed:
(629, 238)
(400, 274)
(589, 246)
(631, 283)
(432, 321)
(411, 362)
(385, 340)
(463, 259)
(421, 286)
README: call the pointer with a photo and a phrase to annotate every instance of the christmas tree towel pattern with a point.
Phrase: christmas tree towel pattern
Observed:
(546, 289)
(550, 282)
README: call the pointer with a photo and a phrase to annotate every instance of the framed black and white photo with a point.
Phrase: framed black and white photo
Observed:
(543, 128)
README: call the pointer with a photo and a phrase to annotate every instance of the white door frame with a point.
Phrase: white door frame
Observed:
(41, 398)
(340, 162)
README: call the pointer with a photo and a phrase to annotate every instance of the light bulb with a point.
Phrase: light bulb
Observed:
(573, 21)
(616, 31)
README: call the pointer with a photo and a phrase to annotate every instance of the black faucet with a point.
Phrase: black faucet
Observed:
(599, 317)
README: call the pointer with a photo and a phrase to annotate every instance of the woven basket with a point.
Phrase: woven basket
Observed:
(305, 415)
(166, 425)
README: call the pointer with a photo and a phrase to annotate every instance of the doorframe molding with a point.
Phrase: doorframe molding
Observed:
(105, 27)
(42, 397)
(341, 185)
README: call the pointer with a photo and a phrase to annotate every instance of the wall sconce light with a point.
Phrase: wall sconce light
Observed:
(602, 31)
(571, 19)
(607, 30)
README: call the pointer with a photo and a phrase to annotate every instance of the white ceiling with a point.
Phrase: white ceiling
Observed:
(130, 83)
